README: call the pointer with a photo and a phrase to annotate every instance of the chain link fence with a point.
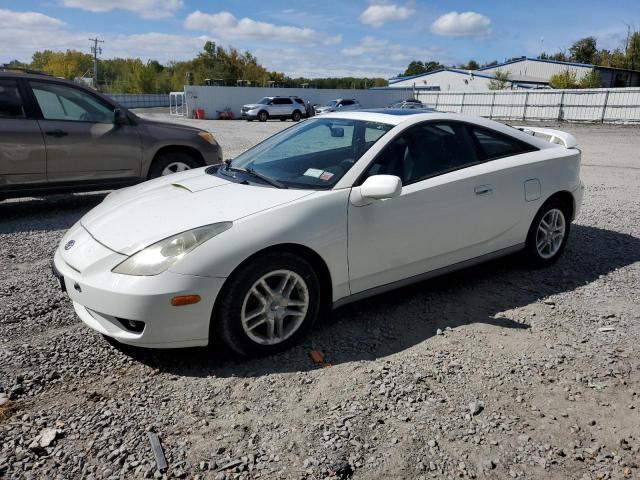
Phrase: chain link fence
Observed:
(606, 105)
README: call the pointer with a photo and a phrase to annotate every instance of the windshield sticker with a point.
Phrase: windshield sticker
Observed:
(313, 172)
(326, 176)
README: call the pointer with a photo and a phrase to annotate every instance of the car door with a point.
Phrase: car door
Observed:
(82, 141)
(22, 151)
(453, 207)
(283, 106)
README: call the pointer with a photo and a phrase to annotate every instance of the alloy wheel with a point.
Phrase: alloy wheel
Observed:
(275, 306)
(550, 234)
(175, 167)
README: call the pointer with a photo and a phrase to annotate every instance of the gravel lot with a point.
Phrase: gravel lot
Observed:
(495, 371)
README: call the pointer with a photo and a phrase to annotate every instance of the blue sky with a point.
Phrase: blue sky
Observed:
(315, 38)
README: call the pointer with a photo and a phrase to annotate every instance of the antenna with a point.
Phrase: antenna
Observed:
(541, 45)
(95, 50)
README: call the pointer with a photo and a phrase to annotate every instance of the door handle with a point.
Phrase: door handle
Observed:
(56, 133)
(483, 190)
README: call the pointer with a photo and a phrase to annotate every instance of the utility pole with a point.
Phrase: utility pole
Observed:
(96, 50)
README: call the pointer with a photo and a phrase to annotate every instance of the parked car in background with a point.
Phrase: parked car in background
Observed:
(57, 136)
(275, 107)
(332, 210)
(339, 105)
(409, 103)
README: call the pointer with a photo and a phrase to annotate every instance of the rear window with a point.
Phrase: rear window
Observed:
(10, 101)
(299, 100)
(493, 145)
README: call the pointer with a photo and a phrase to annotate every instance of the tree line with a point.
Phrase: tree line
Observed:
(215, 65)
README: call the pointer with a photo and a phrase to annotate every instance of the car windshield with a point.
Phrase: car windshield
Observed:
(264, 101)
(314, 154)
(332, 103)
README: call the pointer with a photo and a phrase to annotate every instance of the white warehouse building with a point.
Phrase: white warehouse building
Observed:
(523, 73)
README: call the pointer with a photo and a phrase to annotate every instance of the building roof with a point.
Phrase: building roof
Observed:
(544, 60)
(445, 69)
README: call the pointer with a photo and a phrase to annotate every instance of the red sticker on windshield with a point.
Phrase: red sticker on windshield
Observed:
(326, 176)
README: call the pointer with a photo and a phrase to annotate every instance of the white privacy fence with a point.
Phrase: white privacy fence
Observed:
(215, 99)
(608, 105)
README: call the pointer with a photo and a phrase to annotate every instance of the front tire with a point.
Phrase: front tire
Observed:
(263, 116)
(548, 234)
(172, 162)
(268, 305)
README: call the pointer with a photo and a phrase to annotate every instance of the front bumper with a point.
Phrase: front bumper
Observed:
(103, 300)
(250, 115)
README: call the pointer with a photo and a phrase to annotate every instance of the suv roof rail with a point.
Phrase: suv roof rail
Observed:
(9, 68)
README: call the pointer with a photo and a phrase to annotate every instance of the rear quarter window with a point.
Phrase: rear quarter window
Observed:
(492, 145)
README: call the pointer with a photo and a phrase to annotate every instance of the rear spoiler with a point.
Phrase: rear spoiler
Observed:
(554, 136)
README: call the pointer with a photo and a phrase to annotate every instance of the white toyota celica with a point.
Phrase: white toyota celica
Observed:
(331, 210)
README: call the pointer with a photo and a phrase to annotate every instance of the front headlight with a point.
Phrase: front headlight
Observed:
(207, 137)
(160, 256)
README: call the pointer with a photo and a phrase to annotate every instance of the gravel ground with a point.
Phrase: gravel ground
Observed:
(494, 372)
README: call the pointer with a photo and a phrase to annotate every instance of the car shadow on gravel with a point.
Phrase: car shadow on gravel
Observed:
(57, 212)
(398, 320)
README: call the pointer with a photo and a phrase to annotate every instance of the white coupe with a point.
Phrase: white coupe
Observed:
(331, 210)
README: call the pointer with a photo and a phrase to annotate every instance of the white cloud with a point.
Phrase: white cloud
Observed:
(23, 33)
(385, 51)
(465, 24)
(35, 20)
(379, 14)
(143, 8)
(227, 26)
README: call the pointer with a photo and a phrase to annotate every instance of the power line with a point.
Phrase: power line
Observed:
(96, 50)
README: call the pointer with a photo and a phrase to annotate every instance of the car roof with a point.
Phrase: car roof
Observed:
(392, 116)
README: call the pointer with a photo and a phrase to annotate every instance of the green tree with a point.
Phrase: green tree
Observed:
(564, 79)
(584, 50)
(591, 80)
(501, 81)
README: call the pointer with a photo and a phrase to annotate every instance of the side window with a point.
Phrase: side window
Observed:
(282, 101)
(60, 102)
(11, 105)
(347, 102)
(425, 151)
(494, 145)
(300, 101)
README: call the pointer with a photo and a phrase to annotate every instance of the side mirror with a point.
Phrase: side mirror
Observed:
(337, 132)
(377, 187)
(119, 117)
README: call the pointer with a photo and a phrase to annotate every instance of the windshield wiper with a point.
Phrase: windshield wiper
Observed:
(251, 171)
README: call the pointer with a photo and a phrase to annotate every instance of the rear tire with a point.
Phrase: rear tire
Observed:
(259, 312)
(548, 234)
(296, 116)
(263, 116)
(172, 162)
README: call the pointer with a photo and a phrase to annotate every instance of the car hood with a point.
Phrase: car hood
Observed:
(251, 106)
(135, 217)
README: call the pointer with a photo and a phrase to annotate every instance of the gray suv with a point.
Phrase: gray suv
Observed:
(275, 107)
(57, 136)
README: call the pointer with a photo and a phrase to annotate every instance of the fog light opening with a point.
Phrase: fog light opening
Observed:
(132, 325)
(181, 300)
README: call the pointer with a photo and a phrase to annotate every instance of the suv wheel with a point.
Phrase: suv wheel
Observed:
(296, 115)
(172, 162)
(263, 116)
(267, 306)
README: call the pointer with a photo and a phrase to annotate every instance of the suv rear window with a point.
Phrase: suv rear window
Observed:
(299, 100)
(10, 101)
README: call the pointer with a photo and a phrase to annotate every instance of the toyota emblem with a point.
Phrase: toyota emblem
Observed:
(69, 244)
